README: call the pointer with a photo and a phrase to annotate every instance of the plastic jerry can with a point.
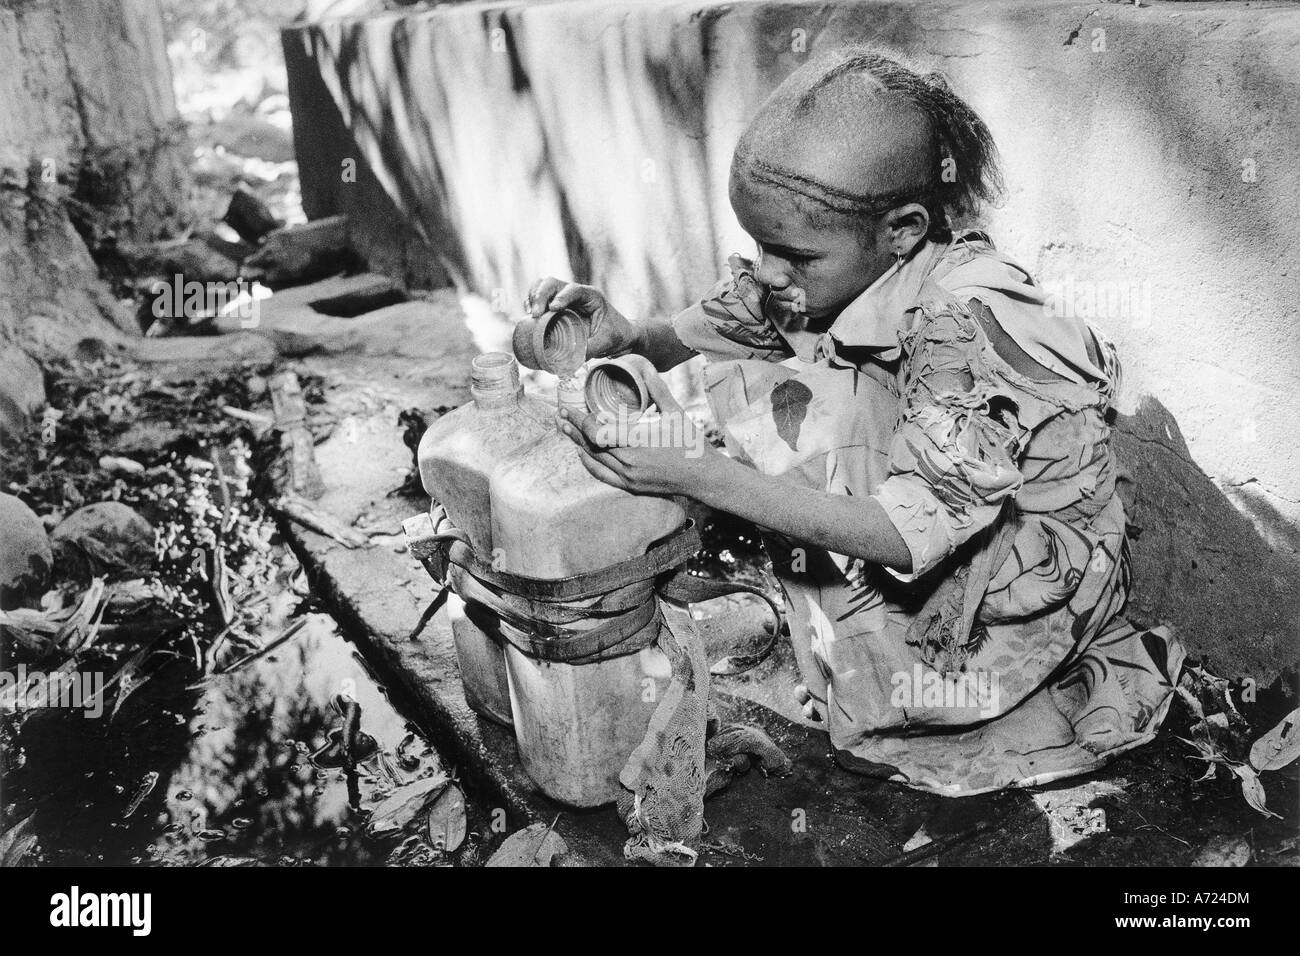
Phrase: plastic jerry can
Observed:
(576, 724)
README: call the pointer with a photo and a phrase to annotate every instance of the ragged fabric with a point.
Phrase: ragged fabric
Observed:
(685, 757)
(1002, 659)
(664, 779)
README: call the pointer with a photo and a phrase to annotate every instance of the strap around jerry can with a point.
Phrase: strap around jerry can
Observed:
(535, 613)
(669, 553)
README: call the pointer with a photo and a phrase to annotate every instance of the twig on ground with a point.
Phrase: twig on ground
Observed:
(437, 602)
(292, 629)
(295, 509)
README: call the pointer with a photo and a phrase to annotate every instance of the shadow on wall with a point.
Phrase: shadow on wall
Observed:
(338, 179)
(1199, 564)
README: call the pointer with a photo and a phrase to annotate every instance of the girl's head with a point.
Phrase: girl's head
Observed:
(851, 162)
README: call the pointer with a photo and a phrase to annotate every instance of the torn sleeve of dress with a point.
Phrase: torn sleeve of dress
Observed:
(953, 455)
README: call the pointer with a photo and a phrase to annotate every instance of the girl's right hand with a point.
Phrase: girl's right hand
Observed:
(611, 335)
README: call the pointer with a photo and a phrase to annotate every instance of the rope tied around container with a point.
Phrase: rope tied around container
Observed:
(538, 614)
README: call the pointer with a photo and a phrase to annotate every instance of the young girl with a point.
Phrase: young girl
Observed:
(922, 440)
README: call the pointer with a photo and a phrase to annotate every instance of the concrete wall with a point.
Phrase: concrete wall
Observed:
(1149, 151)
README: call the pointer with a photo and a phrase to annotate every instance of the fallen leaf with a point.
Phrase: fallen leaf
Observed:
(1253, 790)
(1279, 746)
(447, 820)
(917, 840)
(223, 861)
(403, 805)
(348, 745)
(147, 784)
(536, 845)
(17, 841)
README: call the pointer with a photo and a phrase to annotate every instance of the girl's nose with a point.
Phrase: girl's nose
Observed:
(772, 271)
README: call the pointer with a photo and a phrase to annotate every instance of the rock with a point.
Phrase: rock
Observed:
(246, 135)
(22, 393)
(25, 554)
(227, 241)
(301, 253)
(249, 216)
(89, 135)
(206, 353)
(147, 437)
(193, 259)
(416, 329)
(103, 538)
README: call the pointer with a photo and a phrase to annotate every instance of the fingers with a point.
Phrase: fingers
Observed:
(584, 299)
(654, 383)
(660, 393)
(586, 431)
(538, 301)
(601, 471)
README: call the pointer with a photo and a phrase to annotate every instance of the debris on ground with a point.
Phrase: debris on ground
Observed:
(534, 845)
(1222, 737)
(166, 576)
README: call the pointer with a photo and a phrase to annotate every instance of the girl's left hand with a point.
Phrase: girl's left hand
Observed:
(668, 455)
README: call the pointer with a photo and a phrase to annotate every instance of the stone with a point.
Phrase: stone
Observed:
(104, 538)
(22, 393)
(192, 259)
(251, 218)
(25, 555)
(246, 135)
(296, 254)
(88, 134)
(205, 352)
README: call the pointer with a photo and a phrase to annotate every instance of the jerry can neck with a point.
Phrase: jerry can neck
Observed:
(494, 380)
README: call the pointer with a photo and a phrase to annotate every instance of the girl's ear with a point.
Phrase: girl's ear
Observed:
(907, 226)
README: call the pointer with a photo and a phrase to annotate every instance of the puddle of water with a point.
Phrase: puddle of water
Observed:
(220, 774)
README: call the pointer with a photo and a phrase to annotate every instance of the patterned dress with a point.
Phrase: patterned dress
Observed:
(1002, 659)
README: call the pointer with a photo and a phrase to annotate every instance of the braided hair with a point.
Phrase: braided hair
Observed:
(964, 169)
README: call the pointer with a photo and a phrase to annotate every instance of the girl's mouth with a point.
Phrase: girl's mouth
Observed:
(792, 301)
(787, 307)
